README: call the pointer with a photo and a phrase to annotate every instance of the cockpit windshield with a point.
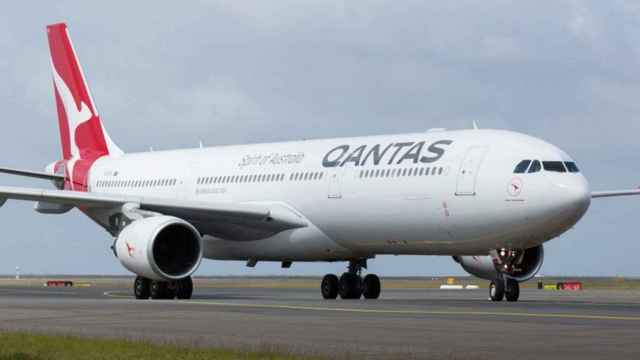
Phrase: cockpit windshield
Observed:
(534, 166)
(522, 167)
(554, 166)
(572, 167)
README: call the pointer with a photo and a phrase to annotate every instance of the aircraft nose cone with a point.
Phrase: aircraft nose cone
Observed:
(573, 197)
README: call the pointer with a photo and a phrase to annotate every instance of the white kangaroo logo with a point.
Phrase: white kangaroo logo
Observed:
(75, 117)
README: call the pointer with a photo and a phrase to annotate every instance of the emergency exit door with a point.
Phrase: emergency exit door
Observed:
(468, 172)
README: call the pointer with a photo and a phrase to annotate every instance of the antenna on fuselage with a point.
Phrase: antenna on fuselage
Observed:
(475, 125)
(201, 144)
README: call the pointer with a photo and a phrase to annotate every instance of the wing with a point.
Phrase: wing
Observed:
(233, 221)
(601, 194)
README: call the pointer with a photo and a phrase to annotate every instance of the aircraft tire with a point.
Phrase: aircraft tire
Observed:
(350, 286)
(512, 290)
(496, 290)
(160, 290)
(184, 288)
(371, 286)
(141, 288)
(329, 287)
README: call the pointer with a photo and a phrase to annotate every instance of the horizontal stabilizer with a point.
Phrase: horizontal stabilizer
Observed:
(32, 174)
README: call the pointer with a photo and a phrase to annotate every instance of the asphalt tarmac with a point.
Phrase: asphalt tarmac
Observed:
(404, 323)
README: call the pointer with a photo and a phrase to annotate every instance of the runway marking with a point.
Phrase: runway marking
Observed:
(394, 312)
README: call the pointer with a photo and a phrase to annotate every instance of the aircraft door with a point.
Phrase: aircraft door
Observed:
(468, 172)
(334, 180)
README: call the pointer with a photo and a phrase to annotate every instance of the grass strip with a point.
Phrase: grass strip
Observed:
(24, 346)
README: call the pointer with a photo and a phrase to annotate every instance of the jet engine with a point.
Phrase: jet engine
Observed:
(520, 265)
(160, 248)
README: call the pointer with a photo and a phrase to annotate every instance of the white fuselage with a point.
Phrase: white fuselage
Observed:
(438, 192)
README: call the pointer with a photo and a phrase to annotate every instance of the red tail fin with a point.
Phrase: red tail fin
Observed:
(81, 131)
(82, 135)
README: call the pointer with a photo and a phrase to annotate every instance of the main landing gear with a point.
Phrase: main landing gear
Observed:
(504, 288)
(351, 285)
(144, 288)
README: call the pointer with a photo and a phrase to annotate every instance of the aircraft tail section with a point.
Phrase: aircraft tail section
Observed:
(81, 131)
(82, 134)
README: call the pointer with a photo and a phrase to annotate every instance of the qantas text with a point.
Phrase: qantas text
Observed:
(394, 153)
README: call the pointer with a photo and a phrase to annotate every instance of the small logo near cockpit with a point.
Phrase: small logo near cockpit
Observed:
(130, 249)
(515, 187)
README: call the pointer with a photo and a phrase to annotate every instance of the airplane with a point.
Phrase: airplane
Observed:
(488, 198)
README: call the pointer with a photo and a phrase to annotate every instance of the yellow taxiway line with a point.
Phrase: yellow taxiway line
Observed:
(396, 312)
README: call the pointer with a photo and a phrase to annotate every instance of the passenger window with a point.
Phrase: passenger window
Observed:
(554, 166)
(572, 167)
(535, 167)
(522, 167)
(440, 170)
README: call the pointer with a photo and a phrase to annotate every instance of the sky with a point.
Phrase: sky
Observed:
(170, 74)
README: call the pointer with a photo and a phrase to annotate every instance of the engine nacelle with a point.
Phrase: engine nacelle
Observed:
(160, 248)
(486, 267)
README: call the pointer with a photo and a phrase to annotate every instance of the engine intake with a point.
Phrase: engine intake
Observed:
(160, 248)
(523, 268)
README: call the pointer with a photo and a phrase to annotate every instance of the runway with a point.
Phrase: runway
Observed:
(414, 323)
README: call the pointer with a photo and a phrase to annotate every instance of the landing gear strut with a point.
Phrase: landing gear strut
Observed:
(144, 288)
(351, 285)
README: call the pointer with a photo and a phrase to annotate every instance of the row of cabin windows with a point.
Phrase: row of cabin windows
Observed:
(135, 183)
(239, 179)
(229, 179)
(533, 166)
(306, 176)
(422, 171)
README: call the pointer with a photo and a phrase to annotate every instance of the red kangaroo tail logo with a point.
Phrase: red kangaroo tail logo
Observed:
(82, 135)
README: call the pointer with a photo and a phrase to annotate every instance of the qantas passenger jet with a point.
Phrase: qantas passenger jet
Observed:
(488, 198)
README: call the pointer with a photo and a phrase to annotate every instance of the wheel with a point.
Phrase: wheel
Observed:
(496, 290)
(329, 286)
(350, 286)
(184, 288)
(160, 290)
(512, 290)
(141, 288)
(371, 286)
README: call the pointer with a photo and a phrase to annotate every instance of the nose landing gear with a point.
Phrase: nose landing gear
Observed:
(351, 285)
(506, 261)
(504, 288)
